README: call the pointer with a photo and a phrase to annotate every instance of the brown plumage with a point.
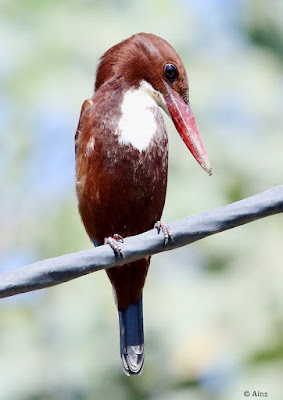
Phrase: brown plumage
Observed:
(121, 187)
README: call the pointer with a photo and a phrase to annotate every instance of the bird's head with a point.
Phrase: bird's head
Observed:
(148, 60)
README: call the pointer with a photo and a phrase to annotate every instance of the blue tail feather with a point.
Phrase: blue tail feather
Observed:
(132, 338)
(94, 242)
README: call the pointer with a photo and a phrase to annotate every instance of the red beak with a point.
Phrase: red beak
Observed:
(186, 125)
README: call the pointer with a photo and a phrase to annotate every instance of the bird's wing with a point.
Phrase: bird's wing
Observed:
(82, 122)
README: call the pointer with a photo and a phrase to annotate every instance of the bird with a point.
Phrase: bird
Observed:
(121, 148)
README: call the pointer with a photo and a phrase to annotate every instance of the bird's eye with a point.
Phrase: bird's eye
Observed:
(171, 73)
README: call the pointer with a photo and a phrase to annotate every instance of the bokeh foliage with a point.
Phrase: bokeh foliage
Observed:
(213, 311)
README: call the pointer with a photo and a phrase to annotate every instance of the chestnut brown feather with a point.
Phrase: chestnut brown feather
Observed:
(121, 189)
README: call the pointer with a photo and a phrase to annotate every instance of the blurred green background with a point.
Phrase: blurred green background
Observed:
(213, 310)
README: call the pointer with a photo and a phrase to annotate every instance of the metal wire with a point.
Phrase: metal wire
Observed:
(54, 271)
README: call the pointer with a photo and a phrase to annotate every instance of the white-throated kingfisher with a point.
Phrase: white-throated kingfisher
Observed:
(122, 159)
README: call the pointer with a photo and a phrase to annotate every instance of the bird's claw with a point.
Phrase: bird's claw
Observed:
(118, 238)
(164, 227)
(113, 242)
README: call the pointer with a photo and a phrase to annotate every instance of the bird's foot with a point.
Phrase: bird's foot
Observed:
(164, 227)
(113, 242)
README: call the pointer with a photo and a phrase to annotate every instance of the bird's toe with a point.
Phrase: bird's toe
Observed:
(164, 227)
(113, 242)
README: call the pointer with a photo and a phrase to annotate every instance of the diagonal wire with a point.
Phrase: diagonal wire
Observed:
(54, 271)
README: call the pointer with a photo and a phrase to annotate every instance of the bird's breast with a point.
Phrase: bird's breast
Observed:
(122, 168)
(140, 119)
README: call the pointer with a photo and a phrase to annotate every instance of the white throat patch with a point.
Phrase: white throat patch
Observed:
(137, 125)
